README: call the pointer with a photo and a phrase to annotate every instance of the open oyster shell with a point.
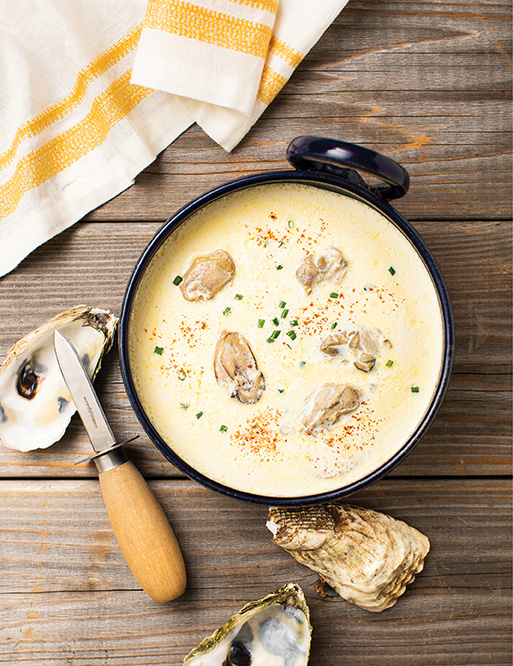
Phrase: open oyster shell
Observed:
(273, 631)
(367, 557)
(35, 404)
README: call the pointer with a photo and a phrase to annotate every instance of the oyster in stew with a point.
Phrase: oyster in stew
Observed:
(235, 366)
(313, 270)
(362, 347)
(207, 275)
(323, 406)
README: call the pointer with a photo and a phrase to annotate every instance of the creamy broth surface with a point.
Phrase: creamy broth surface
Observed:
(262, 448)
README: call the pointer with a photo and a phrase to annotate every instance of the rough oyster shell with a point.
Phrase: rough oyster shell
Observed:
(367, 557)
(273, 631)
(35, 404)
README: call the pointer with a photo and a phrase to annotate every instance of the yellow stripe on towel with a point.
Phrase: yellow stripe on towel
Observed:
(270, 85)
(265, 5)
(109, 107)
(285, 52)
(85, 77)
(205, 25)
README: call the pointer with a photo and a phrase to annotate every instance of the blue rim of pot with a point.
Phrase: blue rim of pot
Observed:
(329, 176)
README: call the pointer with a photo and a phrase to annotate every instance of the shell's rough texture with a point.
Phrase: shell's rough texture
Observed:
(367, 557)
(273, 631)
(35, 404)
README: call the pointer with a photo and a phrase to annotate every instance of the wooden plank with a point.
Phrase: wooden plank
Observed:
(67, 596)
(461, 180)
(471, 434)
(370, 27)
(427, 83)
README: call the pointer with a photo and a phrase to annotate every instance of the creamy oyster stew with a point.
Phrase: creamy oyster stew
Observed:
(331, 307)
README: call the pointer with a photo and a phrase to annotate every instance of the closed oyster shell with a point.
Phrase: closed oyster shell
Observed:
(35, 404)
(273, 631)
(367, 557)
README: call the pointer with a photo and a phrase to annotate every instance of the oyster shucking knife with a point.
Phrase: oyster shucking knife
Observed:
(139, 523)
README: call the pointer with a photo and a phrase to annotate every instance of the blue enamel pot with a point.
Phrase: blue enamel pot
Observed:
(327, 164)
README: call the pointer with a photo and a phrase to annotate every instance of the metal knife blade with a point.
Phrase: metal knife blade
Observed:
(83, 394)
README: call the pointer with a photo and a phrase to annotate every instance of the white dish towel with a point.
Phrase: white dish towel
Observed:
(93, 90)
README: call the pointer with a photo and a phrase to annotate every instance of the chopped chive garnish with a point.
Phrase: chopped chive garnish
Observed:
(389, 363)
(181, 375)
(281, 390)
(391, 270)
(223, 428)
(239, 297)
(184, 405)
(282, 304)
(290, 223)
(292, 335)
(334, 325)
(261, 323)
(275, 334)
(294, 322)
(266, 242)
(284, 314)
(302, 364)
(333, 294)
(281, 243)
(158, 350)
(227, 311)
(415, 389)
(279, 267)
(199, 415)
(288, 345)
(177, 280)
(270, 340)
(276, 321)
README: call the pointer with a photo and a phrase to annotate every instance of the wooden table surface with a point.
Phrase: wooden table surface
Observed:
(427, 83)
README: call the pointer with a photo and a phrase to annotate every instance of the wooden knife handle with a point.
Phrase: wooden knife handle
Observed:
(143, 532)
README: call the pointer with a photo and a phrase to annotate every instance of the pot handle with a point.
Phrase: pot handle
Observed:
(314, 153)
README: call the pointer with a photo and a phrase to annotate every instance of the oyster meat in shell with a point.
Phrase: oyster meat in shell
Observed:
(273, 631)
(35, 404)
(367, 557)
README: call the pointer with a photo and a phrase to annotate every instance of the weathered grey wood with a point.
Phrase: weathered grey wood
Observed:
(66, 594)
